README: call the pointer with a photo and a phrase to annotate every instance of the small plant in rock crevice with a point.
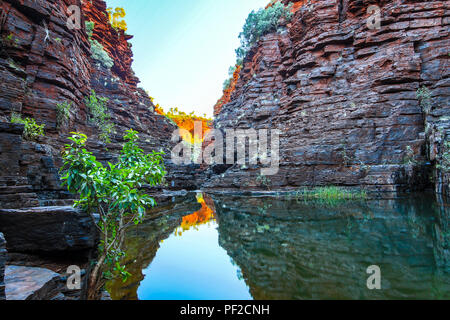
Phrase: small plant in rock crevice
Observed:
(264, 181)
(63, 114)
(32, 130)
(409, 157)
(444, 164)
(98, 52)
(99, 116)
(424, 97)
(90, 26)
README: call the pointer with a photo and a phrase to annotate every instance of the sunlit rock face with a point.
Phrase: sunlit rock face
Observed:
(296, 250)
(344, 96)
(43, 63)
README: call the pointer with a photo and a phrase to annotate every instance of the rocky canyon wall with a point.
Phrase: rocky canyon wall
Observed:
(2, 266)
(344, 97)
(43, 62)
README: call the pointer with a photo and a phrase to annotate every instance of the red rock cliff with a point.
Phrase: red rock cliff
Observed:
(114, 41)
(44, 63)
(344, 96)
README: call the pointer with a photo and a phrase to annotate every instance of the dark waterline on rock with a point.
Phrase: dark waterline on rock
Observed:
(235, 247)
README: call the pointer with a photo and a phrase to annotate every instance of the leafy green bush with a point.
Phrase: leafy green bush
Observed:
(99, 116)
(115, 193)
(63, 114)
(260, 23)
(32, 130)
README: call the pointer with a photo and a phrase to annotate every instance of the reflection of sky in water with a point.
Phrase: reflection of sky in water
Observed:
(289, 250)
(193, 266)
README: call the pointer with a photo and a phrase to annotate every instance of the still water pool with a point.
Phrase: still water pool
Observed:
(237, 248)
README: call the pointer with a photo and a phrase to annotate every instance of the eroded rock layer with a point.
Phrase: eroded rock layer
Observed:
(45, 62)
(344, 96)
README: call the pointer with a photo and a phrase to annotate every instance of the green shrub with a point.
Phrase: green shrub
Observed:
(409, 156)
(99, 54)
(63, 114)
(226, 84)
(99, 116)
(32, 130)
(444, 164)
(260, 23)
(114, 192)
(331, 195)
(263, 181)
(424, 97)
(90, 26)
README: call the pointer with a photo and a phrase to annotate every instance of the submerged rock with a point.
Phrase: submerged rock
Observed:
(47, 229)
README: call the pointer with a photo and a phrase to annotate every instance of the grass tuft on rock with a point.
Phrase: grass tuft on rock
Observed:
(330, 195)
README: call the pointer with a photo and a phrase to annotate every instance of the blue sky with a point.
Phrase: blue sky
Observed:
(183, 49)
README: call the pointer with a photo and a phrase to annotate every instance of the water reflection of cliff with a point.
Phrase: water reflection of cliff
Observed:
(294, 250)
(291, 250)
(203, 216)
(143, 241)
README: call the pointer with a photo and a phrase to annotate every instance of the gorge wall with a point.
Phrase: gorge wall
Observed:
(2, 266)
(345, 97)
(43, 62)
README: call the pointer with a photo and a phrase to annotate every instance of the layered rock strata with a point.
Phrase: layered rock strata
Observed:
(43, 63)
(344, 96)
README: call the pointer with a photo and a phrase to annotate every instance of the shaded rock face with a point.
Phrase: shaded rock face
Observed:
(47, 230)
(295, 250)
(344, 96)
(43, 63)
(2, 266)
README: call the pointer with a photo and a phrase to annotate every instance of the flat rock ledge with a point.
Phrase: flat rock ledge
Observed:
(26, 283)
(47, 229)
